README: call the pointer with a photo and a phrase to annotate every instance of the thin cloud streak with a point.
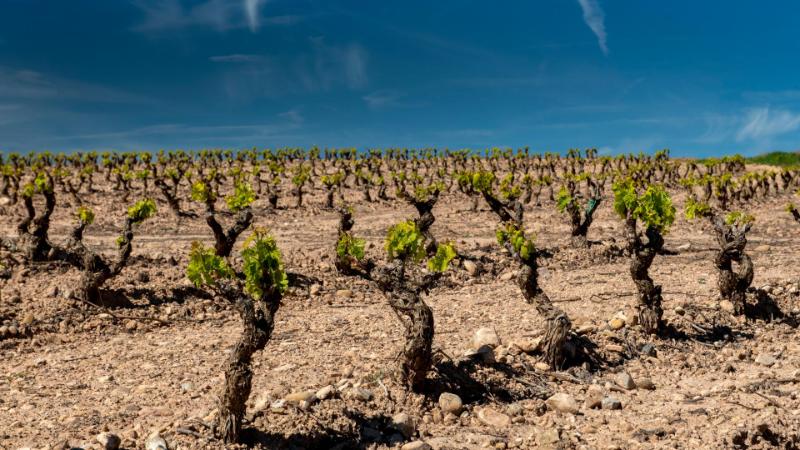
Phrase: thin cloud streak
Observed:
(253, 10)
(762, 123)
(595, 19)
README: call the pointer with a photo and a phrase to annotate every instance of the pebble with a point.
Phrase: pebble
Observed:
(416, 445)
(155, 442)
(766, 360)
(594, 397)
(403, 423)
(562, 402)
(472, 268)
(648, 350)
(362, 394)
(450, 403)
(325, 392)
(611, 403)
(727, 306)
(344, 293)
(485, 336)
(109, 441)
(645, 383)
(625, 380)
(616, 323)
(493, 418)
(315, 289)
(506, 276)
(297, 397)
(548, 437)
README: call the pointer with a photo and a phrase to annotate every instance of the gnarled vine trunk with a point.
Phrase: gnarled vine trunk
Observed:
(732, 241)
(417, 319)
(258, 319)
(648, 293)
(32, 230)
(557, 323)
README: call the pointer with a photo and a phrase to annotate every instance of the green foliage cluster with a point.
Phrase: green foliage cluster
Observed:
(241, 197)
(301, 175)
(695, 209)
(205, 267)
(405, 241)
(332, 180)
(424, 193)
(508, 189)
(39, 184)
(510, 233)
(202, 192)
(141, 210)
(563, 199)
(482, 181)
(739, 218)
(263, 265)
(445, 253)
(348, 245)
(653, 207)
(85, 215)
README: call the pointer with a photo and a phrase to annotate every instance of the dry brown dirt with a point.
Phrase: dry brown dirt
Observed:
(718, 382)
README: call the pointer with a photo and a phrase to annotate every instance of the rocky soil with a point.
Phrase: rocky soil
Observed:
(147, 375)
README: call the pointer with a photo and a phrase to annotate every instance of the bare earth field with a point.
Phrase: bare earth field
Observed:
(156, 366)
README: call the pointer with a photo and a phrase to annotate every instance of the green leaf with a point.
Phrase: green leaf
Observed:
(405, 241)
(202, 192)
(141, 210)
(441, 260)
(513, 235)
(739, 218)
(241, 198)
(263, 265)
(482, 181)
(655, 208)
(695, 209)
(347, 245)
(85, 215)
(563, 199)
(624, 197)
(205, 267)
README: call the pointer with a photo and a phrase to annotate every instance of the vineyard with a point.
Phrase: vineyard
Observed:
(408, 299)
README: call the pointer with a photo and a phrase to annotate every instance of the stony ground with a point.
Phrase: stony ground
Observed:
(69, 372)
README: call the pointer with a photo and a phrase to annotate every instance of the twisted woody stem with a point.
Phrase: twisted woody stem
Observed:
(258, 320)
(648, 293)
(732, 241)
(416, 317)
(557, 323)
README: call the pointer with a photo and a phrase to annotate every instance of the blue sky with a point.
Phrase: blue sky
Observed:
(700, 78)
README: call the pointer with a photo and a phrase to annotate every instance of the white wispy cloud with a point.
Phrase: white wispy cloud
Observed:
(320, 67)
(293, 115)
(595, 19)
(382, 99)
(764, 123)
(22, 83)
(252, 9)
(219, 15)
